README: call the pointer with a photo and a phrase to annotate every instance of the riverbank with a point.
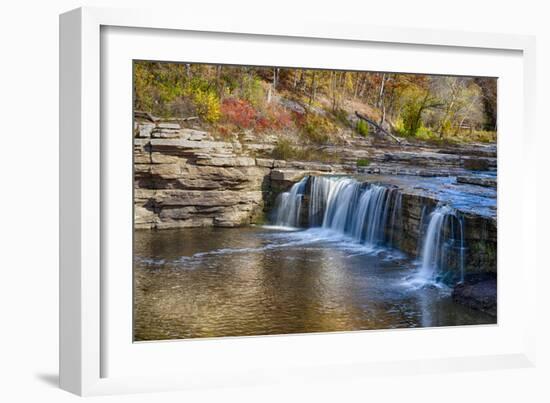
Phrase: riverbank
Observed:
(184, 177)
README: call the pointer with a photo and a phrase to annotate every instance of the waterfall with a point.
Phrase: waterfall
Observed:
(396, 218)
(319, 191)
(439, 246)
(289, 205)
(340, 203)
(361, 211)
(371, 214)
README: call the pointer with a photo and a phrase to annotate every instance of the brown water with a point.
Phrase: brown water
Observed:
(213, 282)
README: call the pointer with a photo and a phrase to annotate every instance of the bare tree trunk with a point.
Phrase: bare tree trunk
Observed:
(219, 86)
(356, 87)
(464, 118)
(269, 94)
(301, 85)
(445, 117)
(363, 86)
(343, 84)
(381, 91)
(449, 108)
(377, 126)
(418, 117)
(333, 89)
(313, 89)
(275, 77)
(381, 101)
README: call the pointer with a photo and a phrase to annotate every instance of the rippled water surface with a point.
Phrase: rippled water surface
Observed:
(212, 282)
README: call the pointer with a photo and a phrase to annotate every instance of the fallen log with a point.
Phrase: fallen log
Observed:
(146, 115)
(181, 119)
(377, 126)
(154, 119)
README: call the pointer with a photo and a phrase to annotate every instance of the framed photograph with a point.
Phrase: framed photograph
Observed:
(237, 198)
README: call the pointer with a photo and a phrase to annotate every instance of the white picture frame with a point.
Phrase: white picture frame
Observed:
(90, 340)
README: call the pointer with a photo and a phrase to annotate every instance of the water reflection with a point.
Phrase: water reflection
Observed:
(211, 282)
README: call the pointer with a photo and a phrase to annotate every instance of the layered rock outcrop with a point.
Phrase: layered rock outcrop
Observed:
(184, 178)
(415, 159)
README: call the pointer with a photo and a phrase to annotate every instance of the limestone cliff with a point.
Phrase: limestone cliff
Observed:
(184, 178)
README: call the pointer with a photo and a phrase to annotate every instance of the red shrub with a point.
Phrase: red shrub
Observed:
(283, 119)
(275, 118)
(241, 113)
(299, 118)
(262, 124)
(238, 112)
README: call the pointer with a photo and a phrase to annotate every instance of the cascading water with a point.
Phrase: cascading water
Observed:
(289, 205)
(358, 210)
(396, 219)
(439, 246)
(319, 191)
(371, 214)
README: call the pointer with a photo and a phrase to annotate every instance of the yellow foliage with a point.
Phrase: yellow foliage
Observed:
(207, 105)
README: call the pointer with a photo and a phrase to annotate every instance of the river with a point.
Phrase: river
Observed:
(213, 282)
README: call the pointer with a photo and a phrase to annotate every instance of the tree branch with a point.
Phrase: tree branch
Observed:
(378, 127)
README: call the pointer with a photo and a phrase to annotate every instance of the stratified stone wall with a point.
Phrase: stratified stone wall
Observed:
(183, 178)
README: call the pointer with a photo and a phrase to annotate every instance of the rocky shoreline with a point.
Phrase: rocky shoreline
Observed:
(185, 178)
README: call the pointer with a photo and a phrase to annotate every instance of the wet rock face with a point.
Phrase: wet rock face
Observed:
(481, 243)
(414, 217)
(480, 234)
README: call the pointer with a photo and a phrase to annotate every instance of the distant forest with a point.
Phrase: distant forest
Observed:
(317, 106)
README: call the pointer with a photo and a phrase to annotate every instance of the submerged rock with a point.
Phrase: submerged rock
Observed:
(478, 292)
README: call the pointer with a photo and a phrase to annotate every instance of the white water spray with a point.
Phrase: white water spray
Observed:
(357, 210)
(439, 241)
(289, 205)
(371, 214)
